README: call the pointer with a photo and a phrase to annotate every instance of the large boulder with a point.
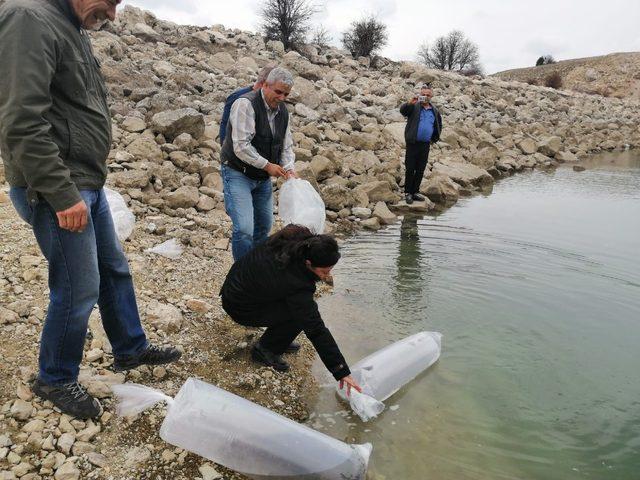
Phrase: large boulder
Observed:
(360, 162)
(383, 214)
(440, 189)
(396, 130)
(463, 173)
(336, 197)
(322, 167)
(378, 191)
(172, 123)
(183, 197)
(222, 61)
(566, 156)
(144, 147)
(486, 157)
(130, 179)
(527, 146)
(549, 146)
(164, 317)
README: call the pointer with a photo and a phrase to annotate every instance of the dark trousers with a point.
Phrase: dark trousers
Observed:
(415, 162)
(282, 328)
(84, 269)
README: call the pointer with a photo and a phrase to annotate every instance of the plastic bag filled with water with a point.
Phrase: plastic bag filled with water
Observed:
(123, 219)
(299, 203)
(246, 437)
(384, 372)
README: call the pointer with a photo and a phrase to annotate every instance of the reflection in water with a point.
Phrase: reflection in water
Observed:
(409, 277)
(536, 289)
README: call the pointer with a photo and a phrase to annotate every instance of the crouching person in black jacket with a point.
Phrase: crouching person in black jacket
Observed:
(273, 286)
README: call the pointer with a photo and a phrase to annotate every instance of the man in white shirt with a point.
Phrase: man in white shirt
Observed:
(258, 145)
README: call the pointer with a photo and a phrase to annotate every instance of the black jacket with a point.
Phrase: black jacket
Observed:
(412, 113)
(257, 279)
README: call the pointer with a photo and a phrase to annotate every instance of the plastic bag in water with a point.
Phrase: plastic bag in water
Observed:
(300, 204)
(384, 372)
(123, 219)
(170, 249)
(246, 437)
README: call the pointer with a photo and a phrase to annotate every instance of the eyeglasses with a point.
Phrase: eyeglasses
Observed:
(281, 92)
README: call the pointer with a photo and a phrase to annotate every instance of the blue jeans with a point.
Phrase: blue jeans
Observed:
(249, 204)
(84, 269)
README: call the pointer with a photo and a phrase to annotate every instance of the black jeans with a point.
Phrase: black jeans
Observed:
(415, 162)
(282, 328)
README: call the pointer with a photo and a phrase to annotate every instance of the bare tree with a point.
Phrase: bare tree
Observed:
(451, 52)
(365, 37)
(287, 21)
(321, 37)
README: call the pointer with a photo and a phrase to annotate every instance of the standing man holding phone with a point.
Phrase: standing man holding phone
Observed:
(424, 125)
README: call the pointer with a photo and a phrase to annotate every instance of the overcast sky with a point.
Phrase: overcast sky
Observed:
(509, 33)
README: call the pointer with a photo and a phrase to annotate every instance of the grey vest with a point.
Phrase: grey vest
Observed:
(269, 145)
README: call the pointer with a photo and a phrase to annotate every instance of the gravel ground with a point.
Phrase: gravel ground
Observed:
(39, 442)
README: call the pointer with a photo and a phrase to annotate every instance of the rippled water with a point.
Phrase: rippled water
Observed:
(536, 289)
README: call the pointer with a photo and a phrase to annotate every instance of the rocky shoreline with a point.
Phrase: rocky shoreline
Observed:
(167, 86)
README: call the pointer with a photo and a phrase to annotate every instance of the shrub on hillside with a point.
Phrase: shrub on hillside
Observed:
(553, 80)
(365, 37)
(545, 60)
(532, 81)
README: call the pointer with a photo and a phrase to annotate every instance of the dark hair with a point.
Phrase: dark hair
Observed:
(296, 243)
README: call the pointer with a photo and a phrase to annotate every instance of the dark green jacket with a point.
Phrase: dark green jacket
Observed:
(55, 127)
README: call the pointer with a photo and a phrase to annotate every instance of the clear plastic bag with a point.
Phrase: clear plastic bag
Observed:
(123, 219)
(299, 203)
(170, 249)
(384, 372)
(246, 437)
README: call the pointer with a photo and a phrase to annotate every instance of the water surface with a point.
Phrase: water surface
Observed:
(536, 289)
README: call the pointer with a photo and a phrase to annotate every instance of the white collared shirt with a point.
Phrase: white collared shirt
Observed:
(243, 124)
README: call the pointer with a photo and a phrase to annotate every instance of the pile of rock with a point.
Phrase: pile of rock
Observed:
(168, 84)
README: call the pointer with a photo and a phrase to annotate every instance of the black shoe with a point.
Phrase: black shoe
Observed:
(292, 348)
(152, 355)
(408, 198)
(71, 398)
(270, 359)
(418, 197)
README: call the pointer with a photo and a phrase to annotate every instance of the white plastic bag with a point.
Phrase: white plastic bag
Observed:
(170, 249)
(246, 437)
(384, 372)
(123, 219)
(299, 203)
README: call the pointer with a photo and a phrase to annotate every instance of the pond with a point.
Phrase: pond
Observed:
(536, 290)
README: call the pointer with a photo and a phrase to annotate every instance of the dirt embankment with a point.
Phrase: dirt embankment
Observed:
(616, 75)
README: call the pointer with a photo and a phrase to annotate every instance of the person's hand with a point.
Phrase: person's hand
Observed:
(351, 383)
(414, 100)
(74, 218)
(275, 170)
(291, 174)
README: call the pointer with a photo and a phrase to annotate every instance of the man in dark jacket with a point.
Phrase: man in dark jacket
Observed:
(258, 145)
(55, 135)
(262, 76)
(424, 125)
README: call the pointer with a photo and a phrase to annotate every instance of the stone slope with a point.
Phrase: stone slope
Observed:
(615, 75)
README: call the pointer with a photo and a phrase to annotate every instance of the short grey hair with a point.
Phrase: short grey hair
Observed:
(264, 73)
(281, 75)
